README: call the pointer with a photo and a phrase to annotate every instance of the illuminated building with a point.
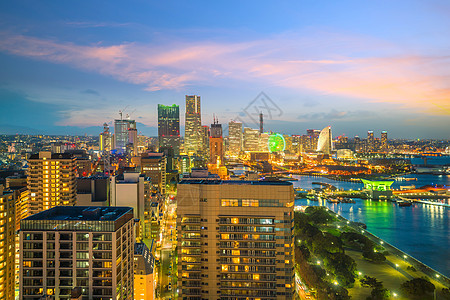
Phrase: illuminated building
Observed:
(297, 145)
(370, 143)
(216, 144)
(51, 180)
(235, 239)
(122, 135)
(357, 144)
(377, 189)
(324, 144)
(66, 247)
(251, 139)
(234, 138)
(184, 164)
(193, 124)
(313, 135)
(144, 275)
(105, 139)
(7, 244)
(263, 142)
(169, 127)
(153, 166)
(344, 154)
(384, 141)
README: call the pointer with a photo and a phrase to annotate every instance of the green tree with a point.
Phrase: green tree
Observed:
(417, 287)
(372, 282)
(374, 256)
(318, 214)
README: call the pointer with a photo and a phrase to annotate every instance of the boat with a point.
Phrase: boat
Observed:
(348, 200)
(333, 200)
(404, 203)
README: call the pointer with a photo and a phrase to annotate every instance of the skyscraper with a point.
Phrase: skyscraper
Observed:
(169, 127)
(153, 165)
(122, 135)
(238, 236)
(87, 247)
(251, 139)
(234, 138)
(370, 143)
(324, 144)
(192, 136)
(51, 180)
(7, 244)
(216, 143)
(384, 141)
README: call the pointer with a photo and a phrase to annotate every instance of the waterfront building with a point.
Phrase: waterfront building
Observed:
(7, 244)
(324, 144)
(384, 141)
(51, 180)
(313, 135)
(263, 142)
(66, 247)
(378, 190)
(169, 127)
(216, 144)
(153, 166)
(235, 239)
(251, 139)
(193, 124)
(370, 142)
(144, 274)
(234, 138)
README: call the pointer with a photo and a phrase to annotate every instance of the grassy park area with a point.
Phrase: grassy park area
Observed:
(337, 259)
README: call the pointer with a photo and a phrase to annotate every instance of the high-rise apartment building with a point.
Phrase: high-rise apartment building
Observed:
(234, 138)
(370, 143)
(51, 180)
(384, 141)
(153, 166)
(192, 136)
(169, 127)
(251, 139)
(87, 247)
(235, 239)
(216, 144)
(7, 244)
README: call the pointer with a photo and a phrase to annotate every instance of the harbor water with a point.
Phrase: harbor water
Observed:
(421, 230)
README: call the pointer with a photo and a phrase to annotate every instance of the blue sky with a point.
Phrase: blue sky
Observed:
(70, 66)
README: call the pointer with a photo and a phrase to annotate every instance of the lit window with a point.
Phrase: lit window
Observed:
(255, 276)
(225, 268)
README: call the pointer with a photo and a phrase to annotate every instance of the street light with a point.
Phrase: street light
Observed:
(394, 294)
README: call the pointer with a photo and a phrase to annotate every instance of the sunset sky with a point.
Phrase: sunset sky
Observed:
(70, 66)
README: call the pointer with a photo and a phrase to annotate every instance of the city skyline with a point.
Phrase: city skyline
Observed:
(69, 69)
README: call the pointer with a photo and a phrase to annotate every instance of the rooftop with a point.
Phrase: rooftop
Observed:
(81, 213)
(235, 182)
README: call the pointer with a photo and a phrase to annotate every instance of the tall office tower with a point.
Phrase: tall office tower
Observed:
(153, 165)
(132, 141)
(206, 134)
(51, 180)
(261, 123)
(216, 144)
(234, 138)
(7, 244)
(384, 141)
(144, 275)
(132, 190)
(87, 247)
(357, 144)
(370, 143)
(192, 136)
(297, 146)
(122, 136)
(169, 127)
(314, 138)
(263, 142)
(238, 236)
(251, 139)
(324, 144)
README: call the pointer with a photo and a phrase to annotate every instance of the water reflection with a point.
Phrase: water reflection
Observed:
(422, 230)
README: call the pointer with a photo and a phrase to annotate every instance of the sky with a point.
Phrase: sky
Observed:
(67, 67)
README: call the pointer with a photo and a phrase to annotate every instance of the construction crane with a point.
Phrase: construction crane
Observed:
(121, 112)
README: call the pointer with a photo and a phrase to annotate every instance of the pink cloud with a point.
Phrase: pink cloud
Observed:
(419, 82)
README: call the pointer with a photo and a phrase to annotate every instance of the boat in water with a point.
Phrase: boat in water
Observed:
(404, 203)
